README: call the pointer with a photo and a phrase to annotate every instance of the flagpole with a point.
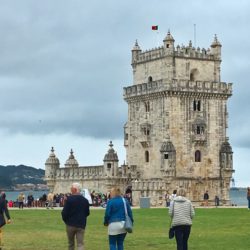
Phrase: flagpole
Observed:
(195, 35)
(158, 39)
(155, 28)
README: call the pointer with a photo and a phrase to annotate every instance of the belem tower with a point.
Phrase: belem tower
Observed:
(176, 131)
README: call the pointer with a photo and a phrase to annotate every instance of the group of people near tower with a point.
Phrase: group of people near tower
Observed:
(76, 210)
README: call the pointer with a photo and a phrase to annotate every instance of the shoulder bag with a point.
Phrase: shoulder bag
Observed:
(128, 223)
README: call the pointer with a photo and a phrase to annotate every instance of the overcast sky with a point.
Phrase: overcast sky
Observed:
(63, 66)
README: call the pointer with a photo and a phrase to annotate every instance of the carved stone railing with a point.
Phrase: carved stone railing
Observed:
(180, 51)
(183, 86)
(80, 172)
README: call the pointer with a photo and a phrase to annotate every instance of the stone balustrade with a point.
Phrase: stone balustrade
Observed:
(184, 86)
(180, 51)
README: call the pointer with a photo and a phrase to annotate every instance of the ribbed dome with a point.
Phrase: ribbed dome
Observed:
(167, 146)
(111, 155)
(169, 37)
(215, 42)
(226, 147)
(136, 46)
(71, 162)
(52, 160)
(199, 121)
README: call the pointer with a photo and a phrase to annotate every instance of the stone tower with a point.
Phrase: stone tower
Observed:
(175, 135)
(52, 164)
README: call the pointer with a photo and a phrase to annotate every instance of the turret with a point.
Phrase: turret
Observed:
(71, 162)
(51, 166)
(216, 48)
(169, 43)
(226, 155)
(111, 162)
(168, 158)
(135, 53)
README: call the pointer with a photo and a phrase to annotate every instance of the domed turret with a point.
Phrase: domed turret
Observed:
(216, 42)
(111, 162)
(71, 162)
(135, 52)
(111, 155)
(167, 147)
(226, 147)
(51, 166)
(216, 48)
(169, 42)
(52, 160)
(226, 158)
(169, 37)
(168, 157)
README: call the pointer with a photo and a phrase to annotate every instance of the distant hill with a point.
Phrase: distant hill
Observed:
(11, 176)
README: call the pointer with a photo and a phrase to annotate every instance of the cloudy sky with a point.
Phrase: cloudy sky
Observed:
(63, 66)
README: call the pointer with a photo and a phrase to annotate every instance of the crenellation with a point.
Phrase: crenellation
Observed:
(180, 51)
(185, 86)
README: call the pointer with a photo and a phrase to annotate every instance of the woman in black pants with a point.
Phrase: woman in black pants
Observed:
(181, 212)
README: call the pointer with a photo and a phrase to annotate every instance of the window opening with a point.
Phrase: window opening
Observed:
(126, 136)
(146, 156)
(197, 156)
(150, 79)
(197, 105)
(147, 106)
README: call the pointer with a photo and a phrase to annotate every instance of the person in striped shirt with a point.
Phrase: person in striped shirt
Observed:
(182, 212)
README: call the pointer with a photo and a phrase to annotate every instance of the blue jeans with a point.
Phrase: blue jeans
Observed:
(248, 202)
(181, 235)
(116, 241)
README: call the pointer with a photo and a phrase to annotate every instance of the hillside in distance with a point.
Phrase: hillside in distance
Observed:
(14, 177)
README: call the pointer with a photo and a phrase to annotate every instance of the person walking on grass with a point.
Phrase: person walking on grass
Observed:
(21, 198)
(74, 214)
(115, 219)
(206, 198)
(50, 200)
(3, 211)
(248, 197)
(182, 212)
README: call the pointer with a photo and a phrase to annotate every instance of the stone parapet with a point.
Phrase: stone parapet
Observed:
(80, 172)
(180, 51)
(175, 87)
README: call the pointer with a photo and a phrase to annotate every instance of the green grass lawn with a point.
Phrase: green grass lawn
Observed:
(213, 229)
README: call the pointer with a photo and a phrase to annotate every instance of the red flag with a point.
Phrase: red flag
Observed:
(155, 27)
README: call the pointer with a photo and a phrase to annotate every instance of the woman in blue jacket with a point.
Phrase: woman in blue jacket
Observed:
(115, 218)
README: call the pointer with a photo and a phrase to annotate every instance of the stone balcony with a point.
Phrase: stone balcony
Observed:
(177, 87)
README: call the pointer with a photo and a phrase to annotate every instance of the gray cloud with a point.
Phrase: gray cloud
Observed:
(63, 64)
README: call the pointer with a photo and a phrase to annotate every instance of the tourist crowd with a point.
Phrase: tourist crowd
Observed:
(58, 200)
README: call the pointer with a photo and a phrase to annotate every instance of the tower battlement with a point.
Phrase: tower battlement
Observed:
(182, 51)
(178, 87)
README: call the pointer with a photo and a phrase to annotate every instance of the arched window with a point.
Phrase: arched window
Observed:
(197, 156)
(191, 77)
(109, 165)
(146, 156)
(150, 79)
